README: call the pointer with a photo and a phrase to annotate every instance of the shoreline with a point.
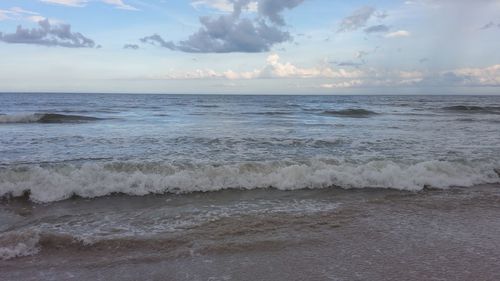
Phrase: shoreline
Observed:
(370, 235)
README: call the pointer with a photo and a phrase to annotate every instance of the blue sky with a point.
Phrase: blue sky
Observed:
(250, 46)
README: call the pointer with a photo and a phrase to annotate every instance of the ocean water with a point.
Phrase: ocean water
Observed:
(59, 145)
(101, 167)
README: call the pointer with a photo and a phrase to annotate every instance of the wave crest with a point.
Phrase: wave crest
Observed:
(45, 118)
(351, 112)
(473, 109)
(48, 184)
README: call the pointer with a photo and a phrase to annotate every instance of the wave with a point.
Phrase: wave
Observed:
(19, 244)
(45, 118)
(207, 105)
(270, 113)
(351, 112)
(473, 109)
(54, 183)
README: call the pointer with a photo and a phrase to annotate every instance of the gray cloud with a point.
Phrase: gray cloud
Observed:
(350, 64)
(377, 28)
(225, 35)
(156, 39)
(362, 54)
(232, 33)
(447, 79)
(488, 26)
(357, 19)
(272, 9)
(48, 35)
(131, 46)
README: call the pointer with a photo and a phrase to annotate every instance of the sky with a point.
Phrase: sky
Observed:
(250, 46)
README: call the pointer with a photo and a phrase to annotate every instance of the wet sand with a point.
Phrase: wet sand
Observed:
(371, 235)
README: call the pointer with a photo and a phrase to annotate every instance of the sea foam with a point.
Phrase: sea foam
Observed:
(48, 184)
(19, 244)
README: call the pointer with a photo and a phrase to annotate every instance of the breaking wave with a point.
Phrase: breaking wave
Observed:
(359, 113)
(54, 183)
(45, 118)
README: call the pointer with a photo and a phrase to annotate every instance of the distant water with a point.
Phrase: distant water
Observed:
(54, 146)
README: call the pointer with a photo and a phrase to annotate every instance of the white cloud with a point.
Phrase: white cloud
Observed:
(398, 34)
(344, 84)
(72, 3)
(16, 13)
(222, 5)
(487, 76)
(331, 78)
(277, 69)
(274, 68)
(119, 4)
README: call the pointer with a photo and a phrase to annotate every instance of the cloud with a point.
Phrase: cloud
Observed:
(16, 13)
(223, 5)
(156, 39)
(344, 84)
(488, 25)
(233, 33)
(131, 46)
(119, 4)
(357, 19)
(377, 28)
(398, 34)
(381, 15)
(71, 3)
(486, 76)
(363, 77)
(48, 35)
(274, 68)
(349, 63)
(272, 9)
(362, 54)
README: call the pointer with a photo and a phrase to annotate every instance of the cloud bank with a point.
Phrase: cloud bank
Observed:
(343, 78)
(274, 68)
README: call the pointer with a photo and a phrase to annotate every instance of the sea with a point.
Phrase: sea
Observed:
(249, 187)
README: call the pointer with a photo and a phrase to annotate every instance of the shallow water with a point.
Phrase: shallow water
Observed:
(365, 234)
